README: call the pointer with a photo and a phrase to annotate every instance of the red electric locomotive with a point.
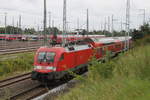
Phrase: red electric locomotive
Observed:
(53, 63)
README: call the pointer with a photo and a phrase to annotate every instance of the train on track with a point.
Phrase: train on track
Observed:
(54, 63)
(57, 39)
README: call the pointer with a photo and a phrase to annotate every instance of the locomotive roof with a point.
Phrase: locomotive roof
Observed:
(64, 49)
(56, 49)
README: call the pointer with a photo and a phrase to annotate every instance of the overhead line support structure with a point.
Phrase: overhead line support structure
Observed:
(44, 23)
(64, 21)
(128, 23)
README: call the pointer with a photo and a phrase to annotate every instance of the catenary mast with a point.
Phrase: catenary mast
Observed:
(64, 21)
(128, 21)
(44, 23)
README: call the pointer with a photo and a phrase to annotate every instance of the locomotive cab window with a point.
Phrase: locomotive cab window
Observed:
(41, 56)
(46, 57)
(50, 56)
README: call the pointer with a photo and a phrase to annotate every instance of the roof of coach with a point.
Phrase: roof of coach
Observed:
(123, 38)
(77, 48)
(106, 40)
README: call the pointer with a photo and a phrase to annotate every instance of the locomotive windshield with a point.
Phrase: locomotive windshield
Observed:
(46, 57)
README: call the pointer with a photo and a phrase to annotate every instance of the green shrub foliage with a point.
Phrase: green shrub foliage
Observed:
(24, 62)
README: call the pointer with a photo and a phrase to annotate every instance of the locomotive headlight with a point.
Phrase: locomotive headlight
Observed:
(45, 68)
(51, 68)
(37, 67)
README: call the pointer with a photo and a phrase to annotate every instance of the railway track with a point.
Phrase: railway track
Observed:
(16, 86)
(59, 89)
(18, 44)
(23, 88)
(18, 50)
(30, 93)
(10, 81)
(5, 48)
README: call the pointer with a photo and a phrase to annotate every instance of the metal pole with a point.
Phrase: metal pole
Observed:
(53, 23)
(64, 21)
(5, 22)
(105, 26)
(17, 27)
(13, 25)
(45, 37)
(78, 24)
(108, 23)
(112, 27)
(144, 16)
(121, 25)
(128, 23)
(49, 19)
(20, 24)
(101, 26)
(5, 27)
(49, 22)
(87, 22)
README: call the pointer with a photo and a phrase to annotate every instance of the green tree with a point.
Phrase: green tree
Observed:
(29, 31)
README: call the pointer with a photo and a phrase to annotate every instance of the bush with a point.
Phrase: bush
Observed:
(22, 63)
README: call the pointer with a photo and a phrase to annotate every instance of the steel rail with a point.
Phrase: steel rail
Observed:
(13, 80)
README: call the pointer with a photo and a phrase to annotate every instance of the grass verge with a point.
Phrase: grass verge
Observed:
(18, 65)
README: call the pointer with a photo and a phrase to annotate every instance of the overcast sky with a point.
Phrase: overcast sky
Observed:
(99, 10)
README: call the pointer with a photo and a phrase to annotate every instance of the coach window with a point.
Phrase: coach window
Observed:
(103, 50)
(99, 51)
(118, 46)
